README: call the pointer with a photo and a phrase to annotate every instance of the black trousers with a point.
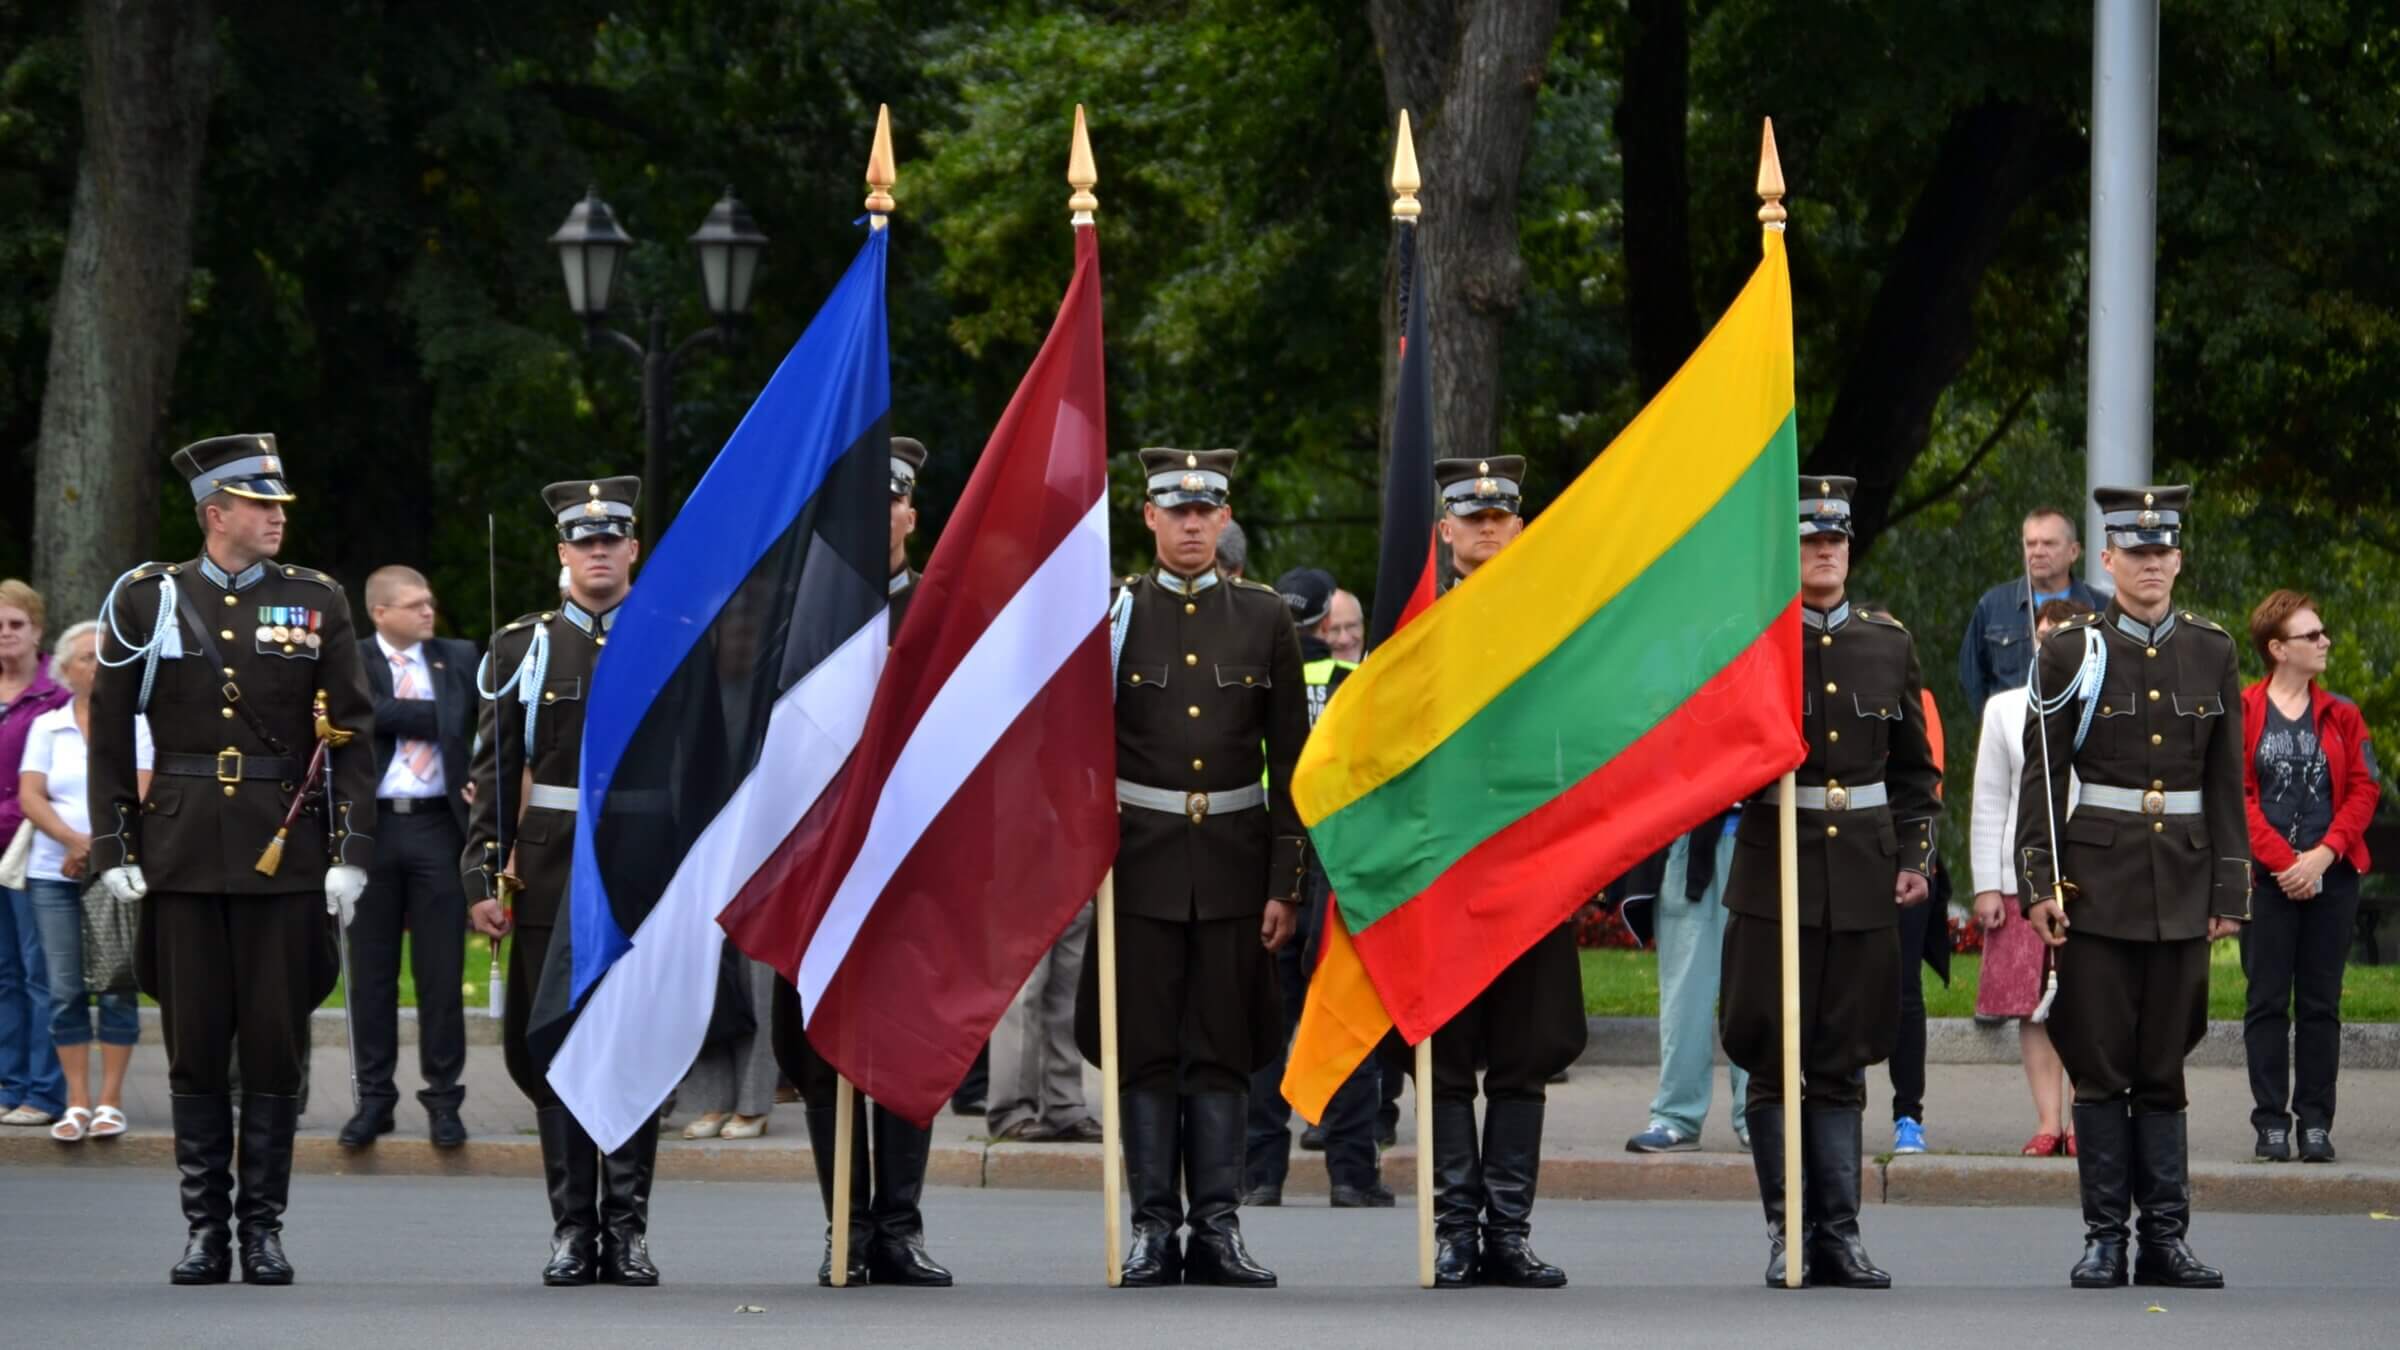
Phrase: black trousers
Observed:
(1525, 1026)
(413, 887)
(802, 1066)
(1197, 1010)
(525, 957)
(1908, 1044)
(236, 977)
(2127, 1014)
(2293, 952)
(1349, 1124)
(1847, 1012)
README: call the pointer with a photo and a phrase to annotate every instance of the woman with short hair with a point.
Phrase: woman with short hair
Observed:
(2309, 790)
(32, 1090)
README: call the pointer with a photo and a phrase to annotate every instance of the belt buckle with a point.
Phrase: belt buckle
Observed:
(225, 775)
(2154, 803)
(1195, 805)
(1837, 798)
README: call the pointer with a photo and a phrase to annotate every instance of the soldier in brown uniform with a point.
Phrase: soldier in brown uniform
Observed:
(228, 654)
(1526, 1026)
(888, 1155)
(2141, 703)
(534, 682)
(1210, 702)
(1866, 799)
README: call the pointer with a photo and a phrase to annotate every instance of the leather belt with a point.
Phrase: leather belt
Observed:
(549, 797)
(2148, 803)
(1198, 805)
(1832, 796)
(228, 766)
(409, 806)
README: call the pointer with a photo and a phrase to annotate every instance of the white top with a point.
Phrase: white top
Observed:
(1999, 772)
(54, 748)
(398, 780)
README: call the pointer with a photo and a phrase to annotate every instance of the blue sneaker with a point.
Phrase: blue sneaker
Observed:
(1907, 1135)
(1662, 1138)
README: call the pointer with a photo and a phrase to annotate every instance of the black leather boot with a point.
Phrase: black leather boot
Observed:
(1153, 1138)
(571, 1168)
(1766, 1159)
(204, 1160)
(1457, 1196)
(266, 1173)
(2103, 1157)
(1512, 1166)
(1830, 1145)
(862, 1229)
(1213, 1145)
(896, 1253)
(625, 1211)
(2162, 1185)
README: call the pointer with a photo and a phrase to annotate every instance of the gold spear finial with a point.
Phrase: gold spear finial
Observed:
(881, 175)
(1770, 181)
(1082, 175)
(1405, 179)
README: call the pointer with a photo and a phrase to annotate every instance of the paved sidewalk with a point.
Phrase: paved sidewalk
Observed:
(1978, 1116)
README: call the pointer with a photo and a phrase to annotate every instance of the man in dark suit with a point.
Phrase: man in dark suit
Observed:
(424, 694)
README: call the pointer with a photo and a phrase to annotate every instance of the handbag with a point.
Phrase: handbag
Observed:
(109, 926)
(20, 853)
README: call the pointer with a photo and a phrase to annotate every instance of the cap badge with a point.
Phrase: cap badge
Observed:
(1487, 487)
(271, 466)
(1193, 482)
(594, 508)
(2149, 520)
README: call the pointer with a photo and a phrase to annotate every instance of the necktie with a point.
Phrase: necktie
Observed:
(419, 756)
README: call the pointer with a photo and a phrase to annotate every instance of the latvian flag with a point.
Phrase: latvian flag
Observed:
(733, 688)
(979, 813)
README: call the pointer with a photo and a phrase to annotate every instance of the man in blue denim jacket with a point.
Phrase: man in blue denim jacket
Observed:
(1998, 646)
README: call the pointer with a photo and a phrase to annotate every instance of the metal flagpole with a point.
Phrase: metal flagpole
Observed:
(2124, 225)
(1772, 216)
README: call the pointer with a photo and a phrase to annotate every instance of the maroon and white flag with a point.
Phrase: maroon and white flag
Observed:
(978, 812)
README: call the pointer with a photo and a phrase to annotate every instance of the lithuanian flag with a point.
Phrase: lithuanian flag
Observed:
(1626, 668)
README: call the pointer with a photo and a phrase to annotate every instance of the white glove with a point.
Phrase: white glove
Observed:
(125, 883)
(343, 885)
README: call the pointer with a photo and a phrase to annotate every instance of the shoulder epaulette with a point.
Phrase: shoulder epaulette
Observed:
(526, 621)
(311, 574)
(1882, 617)
(2079, 621)
(1247, 584)
(2197, 621)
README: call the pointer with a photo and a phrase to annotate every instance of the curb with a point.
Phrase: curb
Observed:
(1961, 1040)
(1929, 1179)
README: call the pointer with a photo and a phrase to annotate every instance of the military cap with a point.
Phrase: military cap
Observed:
(1185, 477)
(246, 466)
(1308, 593)
(2143, 517)
(1825, 505)
(586, 507)
(908, 456)
(1472, 485)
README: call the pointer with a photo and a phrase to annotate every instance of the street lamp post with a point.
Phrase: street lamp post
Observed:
(591, 252)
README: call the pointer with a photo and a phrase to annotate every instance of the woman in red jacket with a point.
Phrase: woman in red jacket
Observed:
(2309, 786)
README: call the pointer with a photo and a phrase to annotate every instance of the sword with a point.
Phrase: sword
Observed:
(498, 973)
(329, 737)
(2060, 887)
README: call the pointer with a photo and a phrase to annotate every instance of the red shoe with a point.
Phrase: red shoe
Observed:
(2069, 1147)
(2040, 1146)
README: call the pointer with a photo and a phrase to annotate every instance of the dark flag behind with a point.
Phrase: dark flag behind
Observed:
(1404, 573)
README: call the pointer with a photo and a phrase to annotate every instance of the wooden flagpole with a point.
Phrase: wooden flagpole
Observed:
(1772, 216)
(1083, 174)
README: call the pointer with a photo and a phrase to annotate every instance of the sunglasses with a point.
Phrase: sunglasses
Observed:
(2312, 635)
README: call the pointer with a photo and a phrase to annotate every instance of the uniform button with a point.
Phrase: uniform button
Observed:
(229, 672)
(225, 635)
(2154, 696)
(1249, 679)
(1193, 711)
(2105, 710)
(2158, 785)
(2156, 739)
(1831, 687)
(1137, 677)
(1197, 766)
(229, 789)
(230, 602)
(2158, 827)
(600, 641)
(224, 712)
(287, 649)
(1833, 831)
(1826, 640)
(2149, 651)
(1191, 658)
(1190, 608)
(1833, 735)
(549, 697)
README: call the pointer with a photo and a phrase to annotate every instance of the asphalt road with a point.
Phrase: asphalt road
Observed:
(416, 1262)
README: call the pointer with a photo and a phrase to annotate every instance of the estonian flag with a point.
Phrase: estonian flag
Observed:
(734, 688)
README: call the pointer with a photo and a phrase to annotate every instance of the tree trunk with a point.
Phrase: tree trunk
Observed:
(1468, 72)
(116, 326)
(1653, 107)
(1994, 158)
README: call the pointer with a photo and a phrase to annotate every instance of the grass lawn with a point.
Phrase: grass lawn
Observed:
(1625, 984)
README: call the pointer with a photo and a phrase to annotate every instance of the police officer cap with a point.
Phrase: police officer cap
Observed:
(588, 507)
(246, 466)
(1308, 593)
(1825, 505)
(908, 456)
(1188, 477)
(2143, 517)
(1472, 485)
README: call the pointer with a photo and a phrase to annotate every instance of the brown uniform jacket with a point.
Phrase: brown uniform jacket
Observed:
(1209, 699)
(269, 641)
(541, 838)
(2168, 719)
(1864, 714)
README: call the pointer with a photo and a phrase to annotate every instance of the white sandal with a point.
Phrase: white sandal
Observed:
(107, 1123)
(73, 1126)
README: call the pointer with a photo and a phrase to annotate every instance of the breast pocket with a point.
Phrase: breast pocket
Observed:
(1243, 677)
(1135, 676)
(567, 689)
(2200, 715)
(1877, 715)
(2115, 729)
